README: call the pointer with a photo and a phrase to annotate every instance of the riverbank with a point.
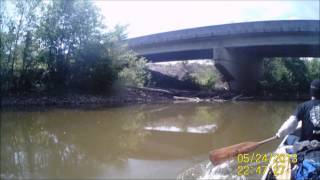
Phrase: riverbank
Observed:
(128, 95)
(134, 95)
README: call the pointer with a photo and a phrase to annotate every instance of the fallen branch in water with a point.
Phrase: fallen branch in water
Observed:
(236, 97)
(151, 89)
(189, 99)
(218, 100)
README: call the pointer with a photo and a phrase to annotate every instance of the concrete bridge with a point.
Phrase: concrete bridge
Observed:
(237, 48)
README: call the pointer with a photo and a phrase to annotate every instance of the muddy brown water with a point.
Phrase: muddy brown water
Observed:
(140, 141)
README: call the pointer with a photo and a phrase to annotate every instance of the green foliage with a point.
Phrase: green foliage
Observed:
(134, 73)
(289, 74)
(60, 46)
(205, 77)
(92, 71)
(313, 68)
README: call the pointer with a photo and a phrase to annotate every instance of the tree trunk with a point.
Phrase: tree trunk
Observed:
(16, 44)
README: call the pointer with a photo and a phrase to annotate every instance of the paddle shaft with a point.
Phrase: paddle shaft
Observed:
(219, 155)
(267, 140)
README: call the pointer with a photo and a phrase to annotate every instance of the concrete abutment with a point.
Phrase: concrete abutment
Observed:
(242, 71)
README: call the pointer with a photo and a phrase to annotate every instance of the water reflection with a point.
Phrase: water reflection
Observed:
(68, 143)
(118, 142)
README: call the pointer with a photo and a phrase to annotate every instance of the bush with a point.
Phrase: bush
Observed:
(134, 73)
(289, 74)
(205, 78)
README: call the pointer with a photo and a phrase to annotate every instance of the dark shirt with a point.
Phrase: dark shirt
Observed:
(309, 113)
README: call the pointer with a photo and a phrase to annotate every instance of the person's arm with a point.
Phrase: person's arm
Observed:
(287, 127)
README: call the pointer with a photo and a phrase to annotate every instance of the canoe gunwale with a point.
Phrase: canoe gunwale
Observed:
(283, 143)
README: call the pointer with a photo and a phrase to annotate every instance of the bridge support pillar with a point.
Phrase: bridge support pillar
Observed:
(242, 71)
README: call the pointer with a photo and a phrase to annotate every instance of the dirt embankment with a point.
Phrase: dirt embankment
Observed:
(128, 95)
(134, 95)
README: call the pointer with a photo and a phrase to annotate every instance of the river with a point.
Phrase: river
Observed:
(140, 141)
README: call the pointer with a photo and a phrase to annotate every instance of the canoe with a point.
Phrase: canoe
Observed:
(288, 140)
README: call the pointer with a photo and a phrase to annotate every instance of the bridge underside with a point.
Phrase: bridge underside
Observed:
(262, 51)
(180, 55)
(240, 66)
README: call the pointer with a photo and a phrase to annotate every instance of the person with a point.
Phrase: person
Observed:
(308, 113)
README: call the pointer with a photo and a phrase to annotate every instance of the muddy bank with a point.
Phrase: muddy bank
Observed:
(128, 95)
(133, 95)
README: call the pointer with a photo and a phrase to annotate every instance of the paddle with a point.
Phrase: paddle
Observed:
(220, 155)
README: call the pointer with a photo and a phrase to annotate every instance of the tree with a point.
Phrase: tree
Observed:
(16, 24)
(62, 46)
(299, 73)
(134, 73)
(313, 68)
(289, 74)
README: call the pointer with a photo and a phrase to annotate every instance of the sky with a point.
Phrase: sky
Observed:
(152, 16)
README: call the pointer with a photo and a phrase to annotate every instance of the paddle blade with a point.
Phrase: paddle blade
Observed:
(220, 155)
